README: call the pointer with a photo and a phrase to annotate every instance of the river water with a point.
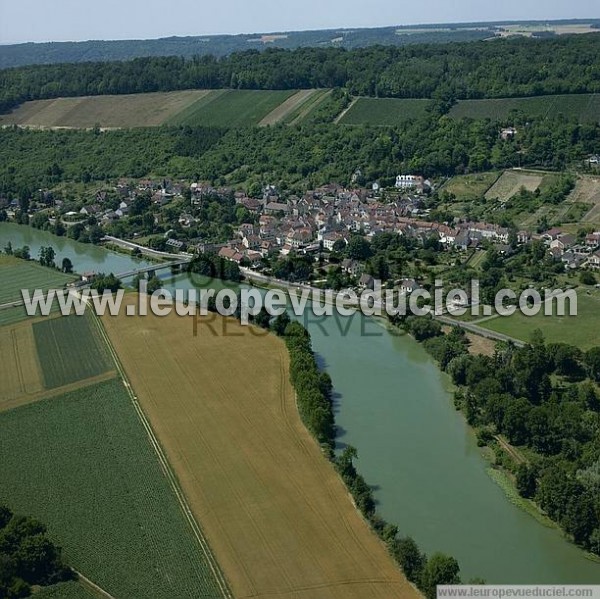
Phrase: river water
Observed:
(393, 404)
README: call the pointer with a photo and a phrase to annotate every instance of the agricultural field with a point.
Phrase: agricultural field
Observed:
(232, 108)
(70, 349)
(43, 357)
(275, 513)
(17, 274)
(304, 110)
(511, 182)
(384, 111)
(130, 110)
(289, 107)
(580, 330)
(468, 188)
(528, 29)
(20, 372)
(587, 193)
(83, 464)
(586, 107)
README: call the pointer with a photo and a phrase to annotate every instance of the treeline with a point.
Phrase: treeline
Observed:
(46, 257)
(543, 398)
(27, 556)
(293, 158)
(314, 398)
(221, 45)
(501, 68)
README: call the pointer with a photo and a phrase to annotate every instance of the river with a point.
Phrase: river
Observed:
(85, 257)
(393, 404)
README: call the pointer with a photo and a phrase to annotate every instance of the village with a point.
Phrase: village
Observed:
(321, 221)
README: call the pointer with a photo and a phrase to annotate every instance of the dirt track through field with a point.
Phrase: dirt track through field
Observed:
(276, 515)
(286, 107)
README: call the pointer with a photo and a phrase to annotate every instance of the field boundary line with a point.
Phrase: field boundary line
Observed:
(342, 114)
(30, 398)
(309, 106)
(167, 470)
(85, 582)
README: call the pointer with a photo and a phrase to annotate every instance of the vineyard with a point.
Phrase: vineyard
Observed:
(232, 108)
(384, 111)
(584, 107)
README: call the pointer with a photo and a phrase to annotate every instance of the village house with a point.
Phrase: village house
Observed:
(593, 240)
(351, 267)
(594, 260)
(366, 282)
(329, 239)
(523, 237)
(508, 133)
(563, 242)
(231, 254)
(551, 235)
(408, 286)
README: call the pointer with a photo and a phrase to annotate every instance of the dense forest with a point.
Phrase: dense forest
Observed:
(27, 556)
(294, 158)
(484, 69)
(221, 45)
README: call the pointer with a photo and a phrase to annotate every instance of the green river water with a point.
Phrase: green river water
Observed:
(393, 404)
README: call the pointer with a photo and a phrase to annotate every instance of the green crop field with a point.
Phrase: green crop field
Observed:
(83, 464)
(17, 274)
(232, 108)
(580, 330)
(69, 350)
(304, 110)
(586, 107)
(384, 111)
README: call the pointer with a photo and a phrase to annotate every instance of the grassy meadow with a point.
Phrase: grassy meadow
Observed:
(581, 330)
(468, 188)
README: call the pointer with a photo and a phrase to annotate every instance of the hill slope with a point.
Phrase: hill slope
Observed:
(220, 45)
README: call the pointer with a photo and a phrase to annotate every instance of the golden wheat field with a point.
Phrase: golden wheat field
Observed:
(273, 510)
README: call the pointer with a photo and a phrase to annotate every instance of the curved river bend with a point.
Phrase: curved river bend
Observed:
(392, 403)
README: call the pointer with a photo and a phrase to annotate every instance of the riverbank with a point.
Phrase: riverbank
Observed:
(497, 395)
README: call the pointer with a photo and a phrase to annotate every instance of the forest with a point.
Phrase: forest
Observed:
(462, 70)
(221, 45)
(27, 556)
(293, 158)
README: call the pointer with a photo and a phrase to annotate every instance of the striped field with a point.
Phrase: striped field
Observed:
(384, 111)
(584, 107)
